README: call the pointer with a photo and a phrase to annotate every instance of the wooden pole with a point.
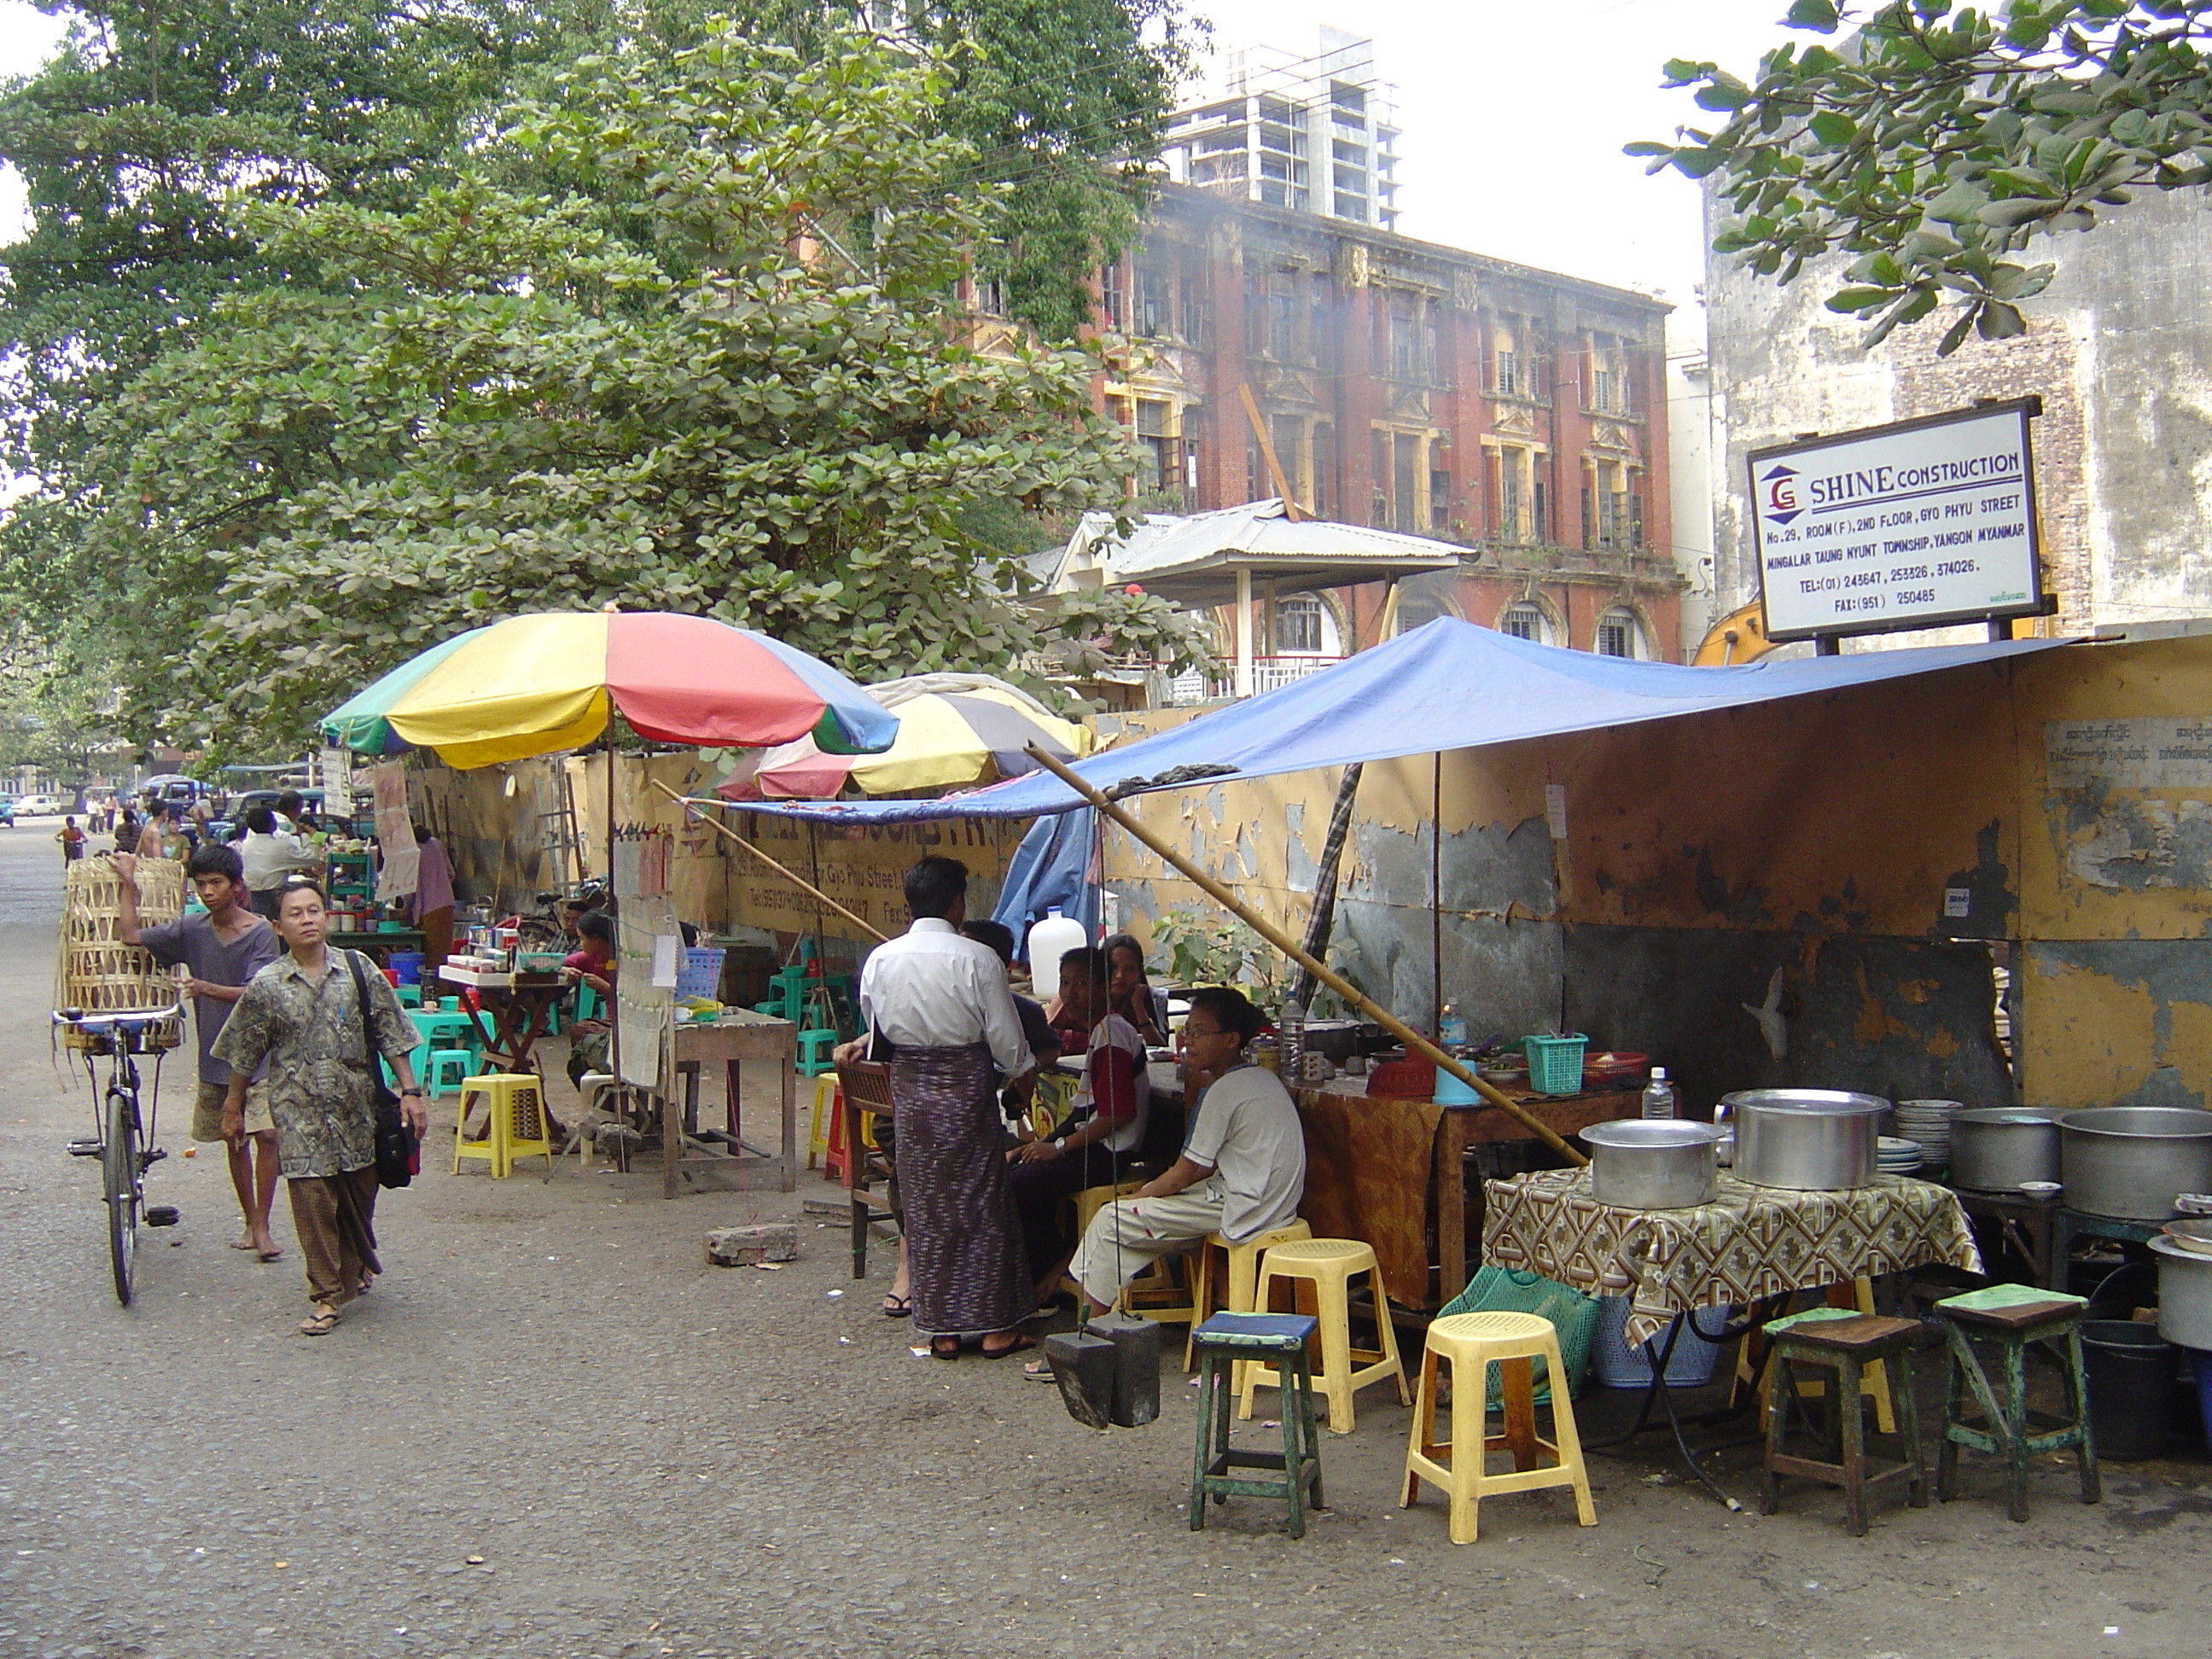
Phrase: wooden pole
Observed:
(1275, 936)
(793, 876)
(1291, 509)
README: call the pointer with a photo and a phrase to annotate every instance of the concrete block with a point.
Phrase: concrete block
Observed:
(748, 1247)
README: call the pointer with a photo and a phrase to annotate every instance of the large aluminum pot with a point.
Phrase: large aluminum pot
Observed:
(2132, 1161)
(1810, 1140)
(1995, 1149)
(1652, 1164)
(2185, 1291)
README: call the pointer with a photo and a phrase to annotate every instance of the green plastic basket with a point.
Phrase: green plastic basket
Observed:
(1555, 1063)
(1510, 1290)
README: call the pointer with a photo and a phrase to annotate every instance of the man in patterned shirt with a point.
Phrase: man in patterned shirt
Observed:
(315, 1014)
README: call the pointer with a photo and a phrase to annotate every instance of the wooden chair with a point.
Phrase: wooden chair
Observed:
(866, 1088)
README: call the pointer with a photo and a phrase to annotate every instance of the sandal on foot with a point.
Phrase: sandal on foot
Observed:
(1038, 1370)
(898, 1307)
(321, 1322)
(945, 1347)
(1021, 1342)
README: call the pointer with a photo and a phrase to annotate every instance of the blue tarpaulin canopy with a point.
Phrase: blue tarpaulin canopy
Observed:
(1447, 685)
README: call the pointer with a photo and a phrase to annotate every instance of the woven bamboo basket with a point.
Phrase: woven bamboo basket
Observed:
(95, 970)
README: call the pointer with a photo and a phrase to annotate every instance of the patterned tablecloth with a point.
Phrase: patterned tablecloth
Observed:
(1750, 1242)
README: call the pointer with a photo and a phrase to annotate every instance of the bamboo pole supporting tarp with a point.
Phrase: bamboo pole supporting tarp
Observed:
(793, 876)
(1275, 936)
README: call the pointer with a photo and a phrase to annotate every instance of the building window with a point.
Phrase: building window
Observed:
(1282, 317)
(1197, 314)
(1299, 626)
(991, 296)
(1405, 493)
(1112, 298)
(1440, 486)
(1155, 314)
(1406, 337)
(1612, 513)
(1525, 621)
(1617, 633)
(1156, 468)
(1508, 373)
(1284, 432)
(1324, 452)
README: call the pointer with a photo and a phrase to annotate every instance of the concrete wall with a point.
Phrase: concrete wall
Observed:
(2118, 349)
(1869, 858)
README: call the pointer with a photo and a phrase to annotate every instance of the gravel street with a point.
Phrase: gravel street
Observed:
(554, 1430)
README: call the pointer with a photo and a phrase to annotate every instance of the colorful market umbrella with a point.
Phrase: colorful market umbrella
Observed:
(536, 683)
(358, 723)
(954, 729)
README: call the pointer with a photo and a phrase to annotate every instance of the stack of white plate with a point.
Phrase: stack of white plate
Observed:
(1895, 1157)
(1929, 1122)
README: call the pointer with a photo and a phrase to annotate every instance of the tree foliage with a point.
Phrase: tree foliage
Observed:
(1934, 142)
(728, 381)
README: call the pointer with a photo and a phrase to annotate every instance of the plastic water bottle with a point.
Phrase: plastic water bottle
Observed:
(1048, 941)
(1658, 1095)
(1290, 1044)
(1452, 1029)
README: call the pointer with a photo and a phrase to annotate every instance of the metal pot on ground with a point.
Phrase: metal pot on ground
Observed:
(2184, 1293)
(1652, 1164)
(1995, 1149)
(1804, 1139)
(2132, 1162)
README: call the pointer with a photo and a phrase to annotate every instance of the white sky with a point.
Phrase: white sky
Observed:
(1514, 115)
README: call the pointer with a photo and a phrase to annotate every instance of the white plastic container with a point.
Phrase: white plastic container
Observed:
(1048, 941)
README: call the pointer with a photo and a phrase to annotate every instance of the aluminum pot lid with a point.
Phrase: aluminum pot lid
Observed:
(1822, 1103)
(1627, 1132)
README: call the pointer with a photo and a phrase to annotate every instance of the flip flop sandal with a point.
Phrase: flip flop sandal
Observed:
(1037, 1370)
(1022, 1343)
(321, 1322)
(898, 1307)
(945, 1347)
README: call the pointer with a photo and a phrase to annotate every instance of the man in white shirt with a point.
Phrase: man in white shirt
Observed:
(1243, 1165)
(939, 1011)
(1105, 1125)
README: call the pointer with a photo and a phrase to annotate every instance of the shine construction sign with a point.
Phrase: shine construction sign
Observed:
(1920, 523)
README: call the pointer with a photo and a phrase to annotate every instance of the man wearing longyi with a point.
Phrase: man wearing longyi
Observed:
(938, 1010)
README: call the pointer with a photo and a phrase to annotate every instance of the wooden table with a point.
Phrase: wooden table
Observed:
(739, 1036)
(518, 1004)
(1388, 1169)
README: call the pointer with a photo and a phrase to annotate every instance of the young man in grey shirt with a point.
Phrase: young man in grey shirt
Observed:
(222, 950)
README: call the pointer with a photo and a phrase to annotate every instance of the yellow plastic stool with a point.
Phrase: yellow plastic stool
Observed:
(1243, 1277)
(518, 1126)
(825, 1100)
(1155, 1293)
(1329, 1264)
(1473, 1343)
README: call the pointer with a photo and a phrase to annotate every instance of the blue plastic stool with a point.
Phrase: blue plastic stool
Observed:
(446, 1070)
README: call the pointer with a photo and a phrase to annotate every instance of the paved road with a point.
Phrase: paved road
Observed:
(554, 1431)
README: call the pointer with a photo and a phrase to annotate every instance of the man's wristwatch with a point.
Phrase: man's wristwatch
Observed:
(1059, 1144)
(403, 1093)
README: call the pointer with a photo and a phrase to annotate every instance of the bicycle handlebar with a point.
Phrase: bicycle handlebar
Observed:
(118, 1018)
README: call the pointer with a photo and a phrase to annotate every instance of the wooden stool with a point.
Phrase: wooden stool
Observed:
(1848, 1344)
(1473, 1342)
(1238, 1289)
(1223, 1342)
(1857, 1295)
(517, 1126)
(1329, 1263)
(2011, 1316)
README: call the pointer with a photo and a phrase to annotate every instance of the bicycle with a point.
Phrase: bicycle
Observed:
(125, 1144)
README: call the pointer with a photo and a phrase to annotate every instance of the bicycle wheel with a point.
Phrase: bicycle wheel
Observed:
(119, 1167)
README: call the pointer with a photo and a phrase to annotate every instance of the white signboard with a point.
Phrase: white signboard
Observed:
(1917, 524)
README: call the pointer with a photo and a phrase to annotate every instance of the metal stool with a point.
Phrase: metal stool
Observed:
(2011, 1316)
(1850, 1345)
(1223, 1342)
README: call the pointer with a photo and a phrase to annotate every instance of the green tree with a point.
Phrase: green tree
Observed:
(57, 711)
(729, 381)
(1935, 142)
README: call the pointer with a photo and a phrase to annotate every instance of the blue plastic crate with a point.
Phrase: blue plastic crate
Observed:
(700, 972)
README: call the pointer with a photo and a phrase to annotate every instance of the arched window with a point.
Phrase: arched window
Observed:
(1524, 620)
(1299, 626)
(1619, 634)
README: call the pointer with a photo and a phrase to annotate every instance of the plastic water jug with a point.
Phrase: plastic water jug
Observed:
(1049, 940)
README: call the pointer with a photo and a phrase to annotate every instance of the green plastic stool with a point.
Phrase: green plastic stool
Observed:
(2010, 1317)
(410, 996)
(1294, 1472)
(446, 1070)
(814, 1053)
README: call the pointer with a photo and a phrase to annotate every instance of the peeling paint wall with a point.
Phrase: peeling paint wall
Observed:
(1882, 849)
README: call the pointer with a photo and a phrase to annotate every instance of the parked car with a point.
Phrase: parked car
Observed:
(39, 806)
